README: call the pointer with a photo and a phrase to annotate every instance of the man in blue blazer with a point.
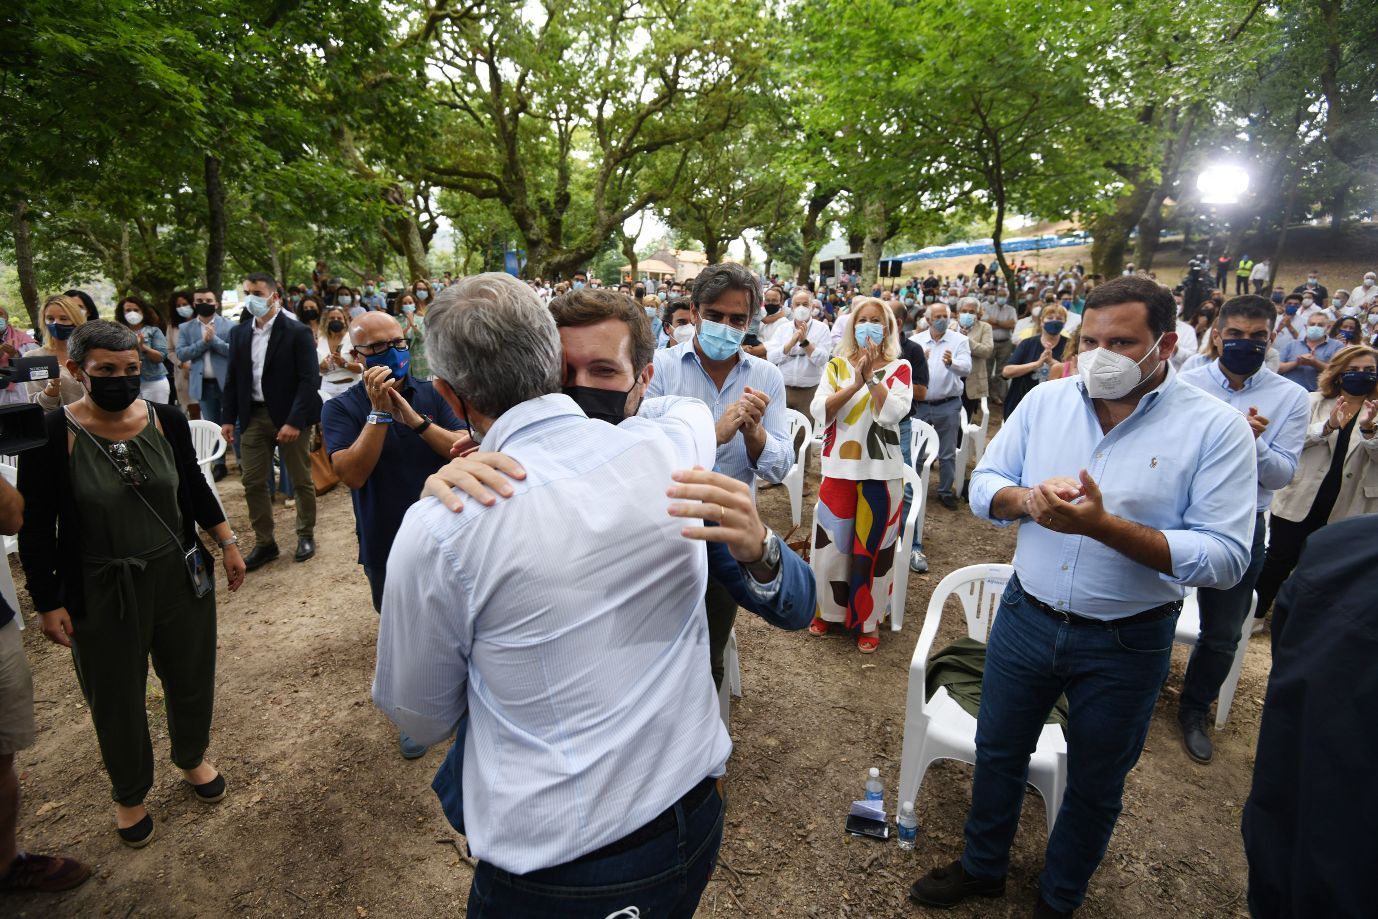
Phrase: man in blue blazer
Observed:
(204, 343)
(272, 390)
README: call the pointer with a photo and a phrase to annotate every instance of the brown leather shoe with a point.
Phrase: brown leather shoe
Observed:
(44, 873)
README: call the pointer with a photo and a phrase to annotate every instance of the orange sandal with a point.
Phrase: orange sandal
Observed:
(867, 644)
(818, 626)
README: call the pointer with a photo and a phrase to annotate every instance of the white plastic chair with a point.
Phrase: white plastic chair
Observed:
(1189, 630)
(939, 728)
(923, 441)
(325, 396)
(794, 479)
(210, 447)
(906, 539)
(731, 687)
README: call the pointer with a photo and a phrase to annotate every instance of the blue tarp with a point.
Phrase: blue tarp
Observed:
(986, 247)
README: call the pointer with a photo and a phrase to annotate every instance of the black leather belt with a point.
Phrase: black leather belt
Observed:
(939, 401)
(1148, 615)
(661, 824)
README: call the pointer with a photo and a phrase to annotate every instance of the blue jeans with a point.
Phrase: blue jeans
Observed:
(664, 877)
(211, 402)
(1111, 676)
(947, 421)
(1222, 616)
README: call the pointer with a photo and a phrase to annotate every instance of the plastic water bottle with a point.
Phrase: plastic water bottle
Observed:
(875, 791)
(907, 826)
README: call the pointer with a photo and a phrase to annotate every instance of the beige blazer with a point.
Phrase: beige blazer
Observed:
(1359, 485)
(982, 338)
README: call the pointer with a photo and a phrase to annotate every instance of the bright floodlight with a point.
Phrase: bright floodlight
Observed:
(1222, 184)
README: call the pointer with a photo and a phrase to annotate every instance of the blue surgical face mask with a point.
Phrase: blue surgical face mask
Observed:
(1358, 382)
(869, 333)
(408, 307)
(650, 312)
(421, 293)
(966, 320)
(1291, 309)
(1054, 326)
(578, 285)
(1315, 332)
(939, 326)
(719, 341)
(393, 359)
(344, 301)
(60, 331)
(256, 305)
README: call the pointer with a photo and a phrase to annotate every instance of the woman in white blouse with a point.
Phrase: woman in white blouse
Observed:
(865, 393)
(339, 368)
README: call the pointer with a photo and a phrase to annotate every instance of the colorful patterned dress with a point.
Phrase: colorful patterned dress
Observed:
(858, 516)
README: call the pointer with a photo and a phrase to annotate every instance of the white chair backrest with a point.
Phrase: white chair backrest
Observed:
(205, 436)
(985, 417)
(923, 442)
(798, 422)
(11, 461)
(325, 395)
(962, 418)
(10, 473)
(978, 587)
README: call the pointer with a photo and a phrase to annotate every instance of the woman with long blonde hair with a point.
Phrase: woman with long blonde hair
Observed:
(61, 316)
(865, 393)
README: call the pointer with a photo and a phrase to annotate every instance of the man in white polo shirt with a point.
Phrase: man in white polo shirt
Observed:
(949, 362)
(800, 346)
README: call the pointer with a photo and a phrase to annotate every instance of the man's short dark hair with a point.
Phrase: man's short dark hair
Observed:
(672, 306)
(1288, 297)
(589, 306)
(716, 280)
(1162, 309)
(1248, 306)
(263, 277)
(206, 290)
(100, 334)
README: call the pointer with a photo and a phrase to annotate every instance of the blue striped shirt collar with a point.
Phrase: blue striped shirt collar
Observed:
(552, 405)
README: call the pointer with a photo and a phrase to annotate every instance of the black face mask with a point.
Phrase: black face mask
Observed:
(608, 405)
(310, 315)
(772, 308)
(335, 326)
(205, 309)
(114, 394)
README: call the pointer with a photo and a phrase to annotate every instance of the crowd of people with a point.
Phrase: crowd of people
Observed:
(1146, 447)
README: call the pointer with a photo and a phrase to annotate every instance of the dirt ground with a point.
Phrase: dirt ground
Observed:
(324, 818)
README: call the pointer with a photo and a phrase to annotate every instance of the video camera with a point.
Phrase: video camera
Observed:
(21, 423)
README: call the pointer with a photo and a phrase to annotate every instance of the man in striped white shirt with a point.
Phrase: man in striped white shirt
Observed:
(593, 738)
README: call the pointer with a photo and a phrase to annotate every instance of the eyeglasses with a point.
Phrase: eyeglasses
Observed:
(127, 461)
(379, 347)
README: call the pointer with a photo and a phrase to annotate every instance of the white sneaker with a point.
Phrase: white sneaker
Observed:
(918, 562)
(1259, 627)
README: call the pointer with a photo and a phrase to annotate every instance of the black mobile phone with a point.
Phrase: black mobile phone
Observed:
(34, 369)
(865, 826)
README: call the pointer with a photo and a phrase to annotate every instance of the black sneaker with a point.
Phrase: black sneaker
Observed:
(1044, 911)
(946, 887)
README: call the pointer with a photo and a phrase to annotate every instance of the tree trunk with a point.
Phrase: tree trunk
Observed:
(629, 253)
(712, 250)
(1111, 231)
(215, 224)
(126, 276)
(877, 215)
(1150, 228)
(23, 259)
(1339, 200)
(746, 252)
(996, 237)
(413, 249)
(810, 233)
(1276, 262)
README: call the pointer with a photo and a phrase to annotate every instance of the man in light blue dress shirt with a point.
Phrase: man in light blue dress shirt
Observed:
(593, 739)
(1130, 485)
(746, 395)
(1277, 410)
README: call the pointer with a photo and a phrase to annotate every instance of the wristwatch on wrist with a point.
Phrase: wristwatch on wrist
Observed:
(425, 423)
(232, 541)
(877, 377)
(380, 418)
(767, 566)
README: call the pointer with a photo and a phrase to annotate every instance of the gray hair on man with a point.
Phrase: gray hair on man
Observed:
(492, 341)
(973, 302)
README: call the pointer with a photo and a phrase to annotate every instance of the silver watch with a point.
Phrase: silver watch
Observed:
(764, 569)
(232, 541)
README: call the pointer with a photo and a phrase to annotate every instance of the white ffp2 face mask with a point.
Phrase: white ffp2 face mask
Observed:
(1110, 375)
(682, 333)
